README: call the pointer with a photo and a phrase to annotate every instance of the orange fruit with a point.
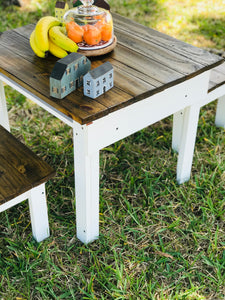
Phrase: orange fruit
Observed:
(70, 25)
(99, 24)
(74, 32)
(92, 36)
(86, 27)
(75, 35)
(98, 17)
(106, 32)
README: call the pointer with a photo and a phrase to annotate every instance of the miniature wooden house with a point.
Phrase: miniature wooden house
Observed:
(98, 80)
(60, 9)
(67, 74)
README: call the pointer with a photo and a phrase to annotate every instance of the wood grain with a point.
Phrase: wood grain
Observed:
(20, 168)
(144, 60)
(217, 77)
(169, 43)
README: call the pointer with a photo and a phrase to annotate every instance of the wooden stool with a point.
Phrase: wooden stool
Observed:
(182, 123)
(22, 176)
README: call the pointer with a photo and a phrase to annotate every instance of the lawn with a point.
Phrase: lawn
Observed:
(159, 240)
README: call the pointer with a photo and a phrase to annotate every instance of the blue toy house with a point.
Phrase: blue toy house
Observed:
(67, 74)
(98, 81)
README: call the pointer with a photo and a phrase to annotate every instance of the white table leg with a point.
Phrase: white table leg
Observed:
(39, 213)
(178, 119)
(4, 119)
(187, 143)
(86, 166)
(220, 112)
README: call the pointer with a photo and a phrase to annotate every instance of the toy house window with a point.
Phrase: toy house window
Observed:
(71, 84)
(63, 89)
(68, 71)
(110, 84)
(76, 67)
(88, 82)
(98, 92)
(110, 75)
(97, 83)
(88, 92)
(55, 90)
(104, 80)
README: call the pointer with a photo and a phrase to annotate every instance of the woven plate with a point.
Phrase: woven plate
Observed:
(99, 51)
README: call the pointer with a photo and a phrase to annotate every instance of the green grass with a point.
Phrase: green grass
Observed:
(158, 240)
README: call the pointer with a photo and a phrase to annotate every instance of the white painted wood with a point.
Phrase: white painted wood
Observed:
(38, 210)
(220, 112)
(39, 213)
(86, 166)
(218, 93)
(214, 94)
(67, 120)
(4, 119)
(128, 120)
(14, 201)
(178, 119)
(186, 148)
(89, 139)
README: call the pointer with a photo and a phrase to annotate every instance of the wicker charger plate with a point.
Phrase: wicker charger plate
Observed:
(99, 51)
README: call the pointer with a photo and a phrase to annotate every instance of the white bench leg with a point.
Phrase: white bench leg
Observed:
(187, 143)
(178, 119)
(4, 119)
(220, 112)
(39, 213)
(86, 168)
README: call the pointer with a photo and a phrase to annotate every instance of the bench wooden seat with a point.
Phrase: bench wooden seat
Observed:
(217, 77)
(22, 176)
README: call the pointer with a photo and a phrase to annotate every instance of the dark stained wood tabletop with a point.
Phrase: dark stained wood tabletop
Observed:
(145, 62)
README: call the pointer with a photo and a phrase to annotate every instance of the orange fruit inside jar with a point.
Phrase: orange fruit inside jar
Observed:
(74, 32)
(92, 35)
(90, 27)
(106, 30)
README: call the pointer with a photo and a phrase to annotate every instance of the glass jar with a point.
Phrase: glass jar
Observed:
(89, 26)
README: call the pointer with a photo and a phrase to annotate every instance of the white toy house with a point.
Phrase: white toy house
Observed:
(98, 81)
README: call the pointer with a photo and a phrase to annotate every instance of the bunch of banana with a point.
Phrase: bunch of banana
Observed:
(50, 36)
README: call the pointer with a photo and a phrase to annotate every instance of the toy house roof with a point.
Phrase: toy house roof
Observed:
(60, 4)
(101, 70)
(61, 65)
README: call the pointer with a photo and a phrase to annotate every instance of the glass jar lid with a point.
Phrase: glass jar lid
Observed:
(89, 26)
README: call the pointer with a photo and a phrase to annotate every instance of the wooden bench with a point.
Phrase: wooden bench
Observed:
(216, 90)
(22, 176)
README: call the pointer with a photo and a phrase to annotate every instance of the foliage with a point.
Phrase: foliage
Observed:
(158, 240)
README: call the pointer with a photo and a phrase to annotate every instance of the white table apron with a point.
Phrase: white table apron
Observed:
(90, 138)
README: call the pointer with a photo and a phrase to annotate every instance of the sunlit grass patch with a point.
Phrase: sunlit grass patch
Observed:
(198, 22)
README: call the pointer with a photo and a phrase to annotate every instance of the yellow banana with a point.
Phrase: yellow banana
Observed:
(58, 36)
(41, 31)
(56, 50)
(35, 48)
